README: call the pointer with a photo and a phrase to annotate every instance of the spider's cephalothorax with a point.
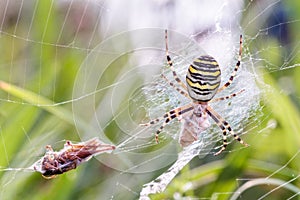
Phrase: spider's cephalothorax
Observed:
(202, 83)
(203, 78)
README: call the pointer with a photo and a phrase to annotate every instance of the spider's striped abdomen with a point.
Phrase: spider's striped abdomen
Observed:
(203, 78)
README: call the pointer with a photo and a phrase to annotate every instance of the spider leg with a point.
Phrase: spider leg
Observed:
(221, 126)
(171, 114)
(235, 69)
(224, 125)
(182, 92)
(226, 97)
(175, 113)
(170, 63)
(179, 111)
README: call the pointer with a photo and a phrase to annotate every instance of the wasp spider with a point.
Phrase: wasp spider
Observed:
(202, 83)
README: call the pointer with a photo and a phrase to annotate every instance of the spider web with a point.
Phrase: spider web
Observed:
(90, 69)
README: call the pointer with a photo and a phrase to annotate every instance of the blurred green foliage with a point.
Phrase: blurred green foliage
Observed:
(38, 68)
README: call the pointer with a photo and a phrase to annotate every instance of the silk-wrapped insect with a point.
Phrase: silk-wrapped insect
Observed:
(54, 163)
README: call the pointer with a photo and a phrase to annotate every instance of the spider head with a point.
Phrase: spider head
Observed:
(199, 108)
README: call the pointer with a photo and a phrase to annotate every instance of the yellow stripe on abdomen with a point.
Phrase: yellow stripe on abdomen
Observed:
(202, 87)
